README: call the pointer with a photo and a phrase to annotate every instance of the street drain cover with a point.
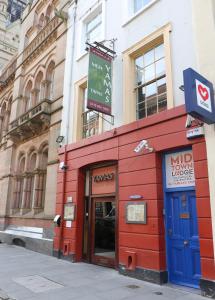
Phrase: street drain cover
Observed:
(37, 284)
(132, 286)
(158, 293)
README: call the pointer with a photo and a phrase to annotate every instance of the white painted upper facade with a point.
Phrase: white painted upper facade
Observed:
(120, 22)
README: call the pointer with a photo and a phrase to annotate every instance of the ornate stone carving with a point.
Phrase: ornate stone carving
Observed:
(31, 123)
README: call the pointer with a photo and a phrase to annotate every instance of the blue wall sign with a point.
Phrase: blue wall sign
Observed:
(199, 96)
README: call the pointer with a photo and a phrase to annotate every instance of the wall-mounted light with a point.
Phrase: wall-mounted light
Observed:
(59, 140)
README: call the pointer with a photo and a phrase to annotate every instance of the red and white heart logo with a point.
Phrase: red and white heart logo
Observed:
(203, 92)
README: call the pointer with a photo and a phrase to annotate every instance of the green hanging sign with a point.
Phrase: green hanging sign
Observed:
(99, 97)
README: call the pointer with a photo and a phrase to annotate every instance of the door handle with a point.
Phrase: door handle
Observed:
(186, 242)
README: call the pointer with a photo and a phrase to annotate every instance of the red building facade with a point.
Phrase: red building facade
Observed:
(104, 174)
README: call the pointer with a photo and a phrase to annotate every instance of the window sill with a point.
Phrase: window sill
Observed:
(134, 16)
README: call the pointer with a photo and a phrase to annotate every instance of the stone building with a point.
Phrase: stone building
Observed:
(10, 12)
(30, 109)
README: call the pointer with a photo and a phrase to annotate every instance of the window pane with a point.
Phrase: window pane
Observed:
(162, 102)
(160, 67)
(138, 4)
(139, 70)
(151, 98)
(152, 95)
(94, 35)
(93, 29)
(149, 57)
(159, 52)
(149, 73)
(141, 112)
(94, 22)
(161, 84)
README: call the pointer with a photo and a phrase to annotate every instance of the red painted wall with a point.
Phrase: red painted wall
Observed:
(137, 174)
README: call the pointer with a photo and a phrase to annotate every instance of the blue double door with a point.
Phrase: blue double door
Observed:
(183, 250)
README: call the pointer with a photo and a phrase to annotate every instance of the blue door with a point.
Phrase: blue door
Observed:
(182, 239)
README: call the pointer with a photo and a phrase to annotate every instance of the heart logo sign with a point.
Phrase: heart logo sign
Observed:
(203, 92)
(203, 96)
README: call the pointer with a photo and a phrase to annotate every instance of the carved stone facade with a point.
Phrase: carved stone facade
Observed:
(30, 116)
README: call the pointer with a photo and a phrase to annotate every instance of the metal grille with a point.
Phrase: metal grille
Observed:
(90, 121)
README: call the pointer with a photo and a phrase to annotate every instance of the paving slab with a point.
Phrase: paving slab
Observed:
(27, 275)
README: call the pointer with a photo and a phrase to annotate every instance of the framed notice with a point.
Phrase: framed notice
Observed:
(69, 211)
(180, 169)
(136, 213)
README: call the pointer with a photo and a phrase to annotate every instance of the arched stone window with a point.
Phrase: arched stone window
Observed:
(49, 13)
(41, 177)
(5, 117)
(50, 81)
(19, 183)
(38, 88)
(30, 180)
(28, 97)
(41, 22)
(2, 119)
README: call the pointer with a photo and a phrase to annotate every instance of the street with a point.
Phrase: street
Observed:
(27, 275)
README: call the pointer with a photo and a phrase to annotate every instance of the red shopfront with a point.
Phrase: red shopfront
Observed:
(105, 175)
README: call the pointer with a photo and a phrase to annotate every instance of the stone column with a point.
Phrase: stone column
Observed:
(34, 97)
(36, 194)
(1, 126)
(46, 89)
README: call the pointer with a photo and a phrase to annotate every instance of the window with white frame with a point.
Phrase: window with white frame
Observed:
(151, 91)
(139, 4)
(94, 29)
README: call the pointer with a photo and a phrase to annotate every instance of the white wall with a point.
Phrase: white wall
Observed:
(128, 32)
(204, 30)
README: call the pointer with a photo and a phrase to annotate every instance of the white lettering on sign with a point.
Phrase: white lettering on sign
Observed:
(107, 84)
(180, 169)
(203, 96)
(104, 177)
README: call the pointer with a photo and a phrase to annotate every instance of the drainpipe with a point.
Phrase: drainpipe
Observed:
(60, 236)
(67, 87)
(68, 75)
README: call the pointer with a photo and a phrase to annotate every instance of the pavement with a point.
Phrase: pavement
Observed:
(28, 275)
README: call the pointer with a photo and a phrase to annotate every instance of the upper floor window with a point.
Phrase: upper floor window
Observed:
(147, 76)
(139, 4)
(94, 29)
(151, 92)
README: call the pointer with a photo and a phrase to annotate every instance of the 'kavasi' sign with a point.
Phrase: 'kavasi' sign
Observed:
(199, 96)
(180, 169)
(99, 81)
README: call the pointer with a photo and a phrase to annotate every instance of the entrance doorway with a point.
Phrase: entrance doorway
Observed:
(100, 231)
(182, 239)
(99, 235)
(103, 232)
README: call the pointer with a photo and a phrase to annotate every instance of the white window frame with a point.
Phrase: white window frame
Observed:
(91, 13)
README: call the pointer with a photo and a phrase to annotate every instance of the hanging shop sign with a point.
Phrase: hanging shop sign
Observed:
(179, 169)
(99, 97)
(199, 96)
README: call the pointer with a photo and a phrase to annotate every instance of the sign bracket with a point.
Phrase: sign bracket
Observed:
(101, 116)
(100, 46)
